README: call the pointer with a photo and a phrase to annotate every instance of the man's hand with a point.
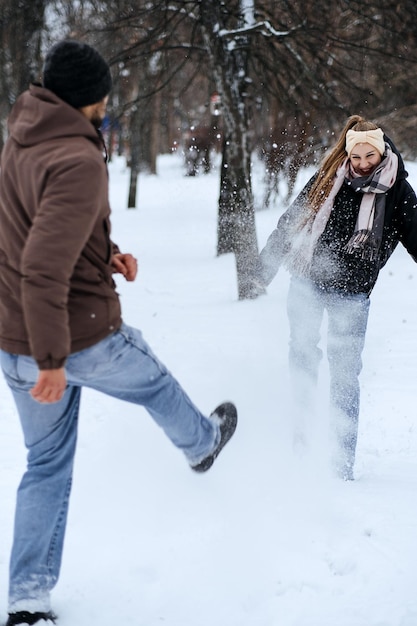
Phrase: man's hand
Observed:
(50, 386)
(125, 264)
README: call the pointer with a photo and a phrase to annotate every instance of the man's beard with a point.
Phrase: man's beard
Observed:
(96, 121)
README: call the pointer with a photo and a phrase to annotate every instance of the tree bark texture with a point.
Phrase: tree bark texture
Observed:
(236, 223)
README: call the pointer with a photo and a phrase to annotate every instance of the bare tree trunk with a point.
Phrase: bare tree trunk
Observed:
(21, 29)
(154, 132)
(236, 225)
(236, 219)
(134, 157)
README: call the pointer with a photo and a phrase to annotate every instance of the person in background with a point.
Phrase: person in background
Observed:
(334, 239)
(60, 317)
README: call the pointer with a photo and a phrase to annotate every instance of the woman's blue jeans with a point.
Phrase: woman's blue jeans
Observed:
(347, 322)
(123, 366)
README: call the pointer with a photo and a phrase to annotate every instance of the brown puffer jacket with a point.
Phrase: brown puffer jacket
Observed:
(57, 294)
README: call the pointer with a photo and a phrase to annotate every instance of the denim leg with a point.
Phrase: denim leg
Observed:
(305, 313)
(124, 366)
(50, 433)
(348, 317)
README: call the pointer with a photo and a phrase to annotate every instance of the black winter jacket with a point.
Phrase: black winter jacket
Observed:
(332, 269)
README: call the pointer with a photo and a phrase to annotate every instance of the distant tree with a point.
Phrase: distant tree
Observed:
(22, 25)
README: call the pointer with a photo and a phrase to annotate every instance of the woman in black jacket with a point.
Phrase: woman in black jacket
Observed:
(334, 239)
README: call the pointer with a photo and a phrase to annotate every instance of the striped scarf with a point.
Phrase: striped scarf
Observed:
(367, 236)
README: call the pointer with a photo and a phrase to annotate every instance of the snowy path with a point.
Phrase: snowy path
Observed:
(265, 538)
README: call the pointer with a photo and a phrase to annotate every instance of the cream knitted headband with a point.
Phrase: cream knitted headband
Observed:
(373, 137)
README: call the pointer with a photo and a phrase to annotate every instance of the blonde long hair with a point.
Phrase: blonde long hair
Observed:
(325, 178)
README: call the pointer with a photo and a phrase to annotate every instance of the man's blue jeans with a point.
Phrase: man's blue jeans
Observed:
(123, 366)
(347, 322)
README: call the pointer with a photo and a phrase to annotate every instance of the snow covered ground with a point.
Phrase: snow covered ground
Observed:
(266, 538)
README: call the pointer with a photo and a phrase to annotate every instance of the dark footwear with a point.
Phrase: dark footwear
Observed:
(24, 618)
(226, 416)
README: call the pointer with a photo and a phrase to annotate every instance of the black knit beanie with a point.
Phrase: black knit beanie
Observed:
(76, 73)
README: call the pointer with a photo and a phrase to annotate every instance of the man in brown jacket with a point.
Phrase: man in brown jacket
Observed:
(60, 320)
